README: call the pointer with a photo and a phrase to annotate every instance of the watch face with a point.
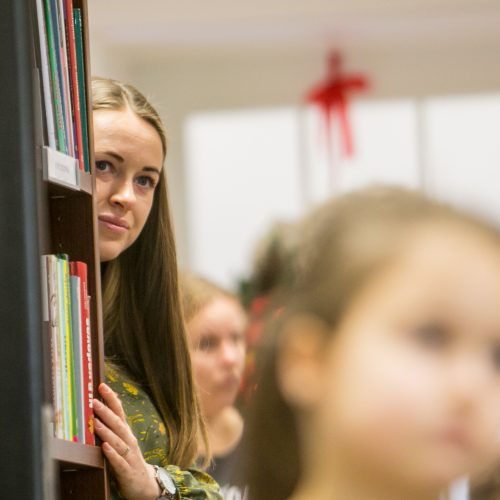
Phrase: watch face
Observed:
(167, 481)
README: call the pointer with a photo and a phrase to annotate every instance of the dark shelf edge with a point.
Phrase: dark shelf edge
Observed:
(59, 190)
(76, 455)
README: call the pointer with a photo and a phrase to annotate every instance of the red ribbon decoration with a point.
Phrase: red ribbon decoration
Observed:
(331, 97)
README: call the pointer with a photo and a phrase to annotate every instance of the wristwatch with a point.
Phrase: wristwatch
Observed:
(167, 486)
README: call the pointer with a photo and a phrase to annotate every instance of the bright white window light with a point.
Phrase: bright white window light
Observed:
(242, 174)
(463, 150)
(385, 143)
(247, 169)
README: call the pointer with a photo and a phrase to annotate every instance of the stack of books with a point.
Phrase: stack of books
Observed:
(63, 78)
(67, 311)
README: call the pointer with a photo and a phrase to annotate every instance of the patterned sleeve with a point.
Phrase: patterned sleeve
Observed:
(194, 484)
(151, 435)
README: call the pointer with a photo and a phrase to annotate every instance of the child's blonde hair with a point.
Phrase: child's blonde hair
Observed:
(343, 243)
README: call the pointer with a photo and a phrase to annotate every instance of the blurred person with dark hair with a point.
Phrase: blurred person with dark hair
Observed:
(271, 268)
(486, 484)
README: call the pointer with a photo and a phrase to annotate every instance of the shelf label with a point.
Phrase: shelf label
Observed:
(61, 168)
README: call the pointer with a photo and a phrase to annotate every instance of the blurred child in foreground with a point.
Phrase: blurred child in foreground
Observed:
(381, 379)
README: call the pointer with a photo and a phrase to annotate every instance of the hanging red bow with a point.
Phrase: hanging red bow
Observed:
(331, 97)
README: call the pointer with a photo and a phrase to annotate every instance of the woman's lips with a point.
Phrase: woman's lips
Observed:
(114, 224)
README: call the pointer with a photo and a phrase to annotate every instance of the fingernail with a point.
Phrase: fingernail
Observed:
(97, 404)
(105, 388)
(97, 423)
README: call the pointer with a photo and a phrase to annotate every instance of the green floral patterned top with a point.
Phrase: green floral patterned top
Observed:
(149, 430)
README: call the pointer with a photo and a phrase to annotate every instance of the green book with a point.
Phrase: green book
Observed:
(53, 49)
(76, 317)
(62, 349)
(77, 15)
(72, 424)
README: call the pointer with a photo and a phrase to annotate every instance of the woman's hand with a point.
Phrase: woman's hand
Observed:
(134, 476)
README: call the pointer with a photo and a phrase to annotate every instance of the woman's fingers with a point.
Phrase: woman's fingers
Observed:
(109, 437)
(118, 463)
(113, 421)
(112, 400)
(134, 476)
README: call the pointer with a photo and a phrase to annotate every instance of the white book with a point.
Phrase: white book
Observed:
(47, 96)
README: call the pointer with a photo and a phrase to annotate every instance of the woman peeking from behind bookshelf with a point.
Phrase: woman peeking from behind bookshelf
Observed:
(151, 422)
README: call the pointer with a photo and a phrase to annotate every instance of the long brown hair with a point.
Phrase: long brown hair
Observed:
(342, 244)
(143, 324)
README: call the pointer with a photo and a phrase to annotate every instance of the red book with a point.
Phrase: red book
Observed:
(75, 89)
(80, 269)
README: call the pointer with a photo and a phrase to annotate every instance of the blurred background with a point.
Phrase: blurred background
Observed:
(245, 149)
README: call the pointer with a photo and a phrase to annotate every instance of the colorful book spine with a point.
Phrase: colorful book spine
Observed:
(69, 379)
(49, 283)
(52, 44)
(74, 86)
(61, 346)
(76, 330)
(66, 308)
(45, 70)
(77, 17)
(63, 60)
(80, 269)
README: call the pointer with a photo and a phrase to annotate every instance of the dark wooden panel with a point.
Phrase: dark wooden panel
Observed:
(21, 460)
(82, 484)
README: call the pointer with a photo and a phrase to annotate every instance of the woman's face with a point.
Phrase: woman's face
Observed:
(216, 338)
(129, 159)
(409, 385)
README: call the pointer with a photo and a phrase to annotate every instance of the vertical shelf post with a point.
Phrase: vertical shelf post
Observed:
(21, 382)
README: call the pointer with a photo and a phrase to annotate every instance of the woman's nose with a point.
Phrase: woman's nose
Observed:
(123, 194)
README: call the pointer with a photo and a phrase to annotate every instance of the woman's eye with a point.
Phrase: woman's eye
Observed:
(432, 336)
(102, 166)
(146, 181)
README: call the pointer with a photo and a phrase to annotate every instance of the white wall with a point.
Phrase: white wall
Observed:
(191, 81)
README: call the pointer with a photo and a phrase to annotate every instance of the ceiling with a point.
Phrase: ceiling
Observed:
(222, 24)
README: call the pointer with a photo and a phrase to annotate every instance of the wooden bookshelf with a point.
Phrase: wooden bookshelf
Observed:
(39, 216)
(71, 455)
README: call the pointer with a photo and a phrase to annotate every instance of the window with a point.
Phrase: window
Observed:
(246, 169)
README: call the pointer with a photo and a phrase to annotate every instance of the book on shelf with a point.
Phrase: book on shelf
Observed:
(79, 270)
(77, 20)
(67, 347)
(73, 81)
(76, 330)
(50, 289)
(56, 88)
(46, 83)
(63, 79)
(62, 69)
(67, 311)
